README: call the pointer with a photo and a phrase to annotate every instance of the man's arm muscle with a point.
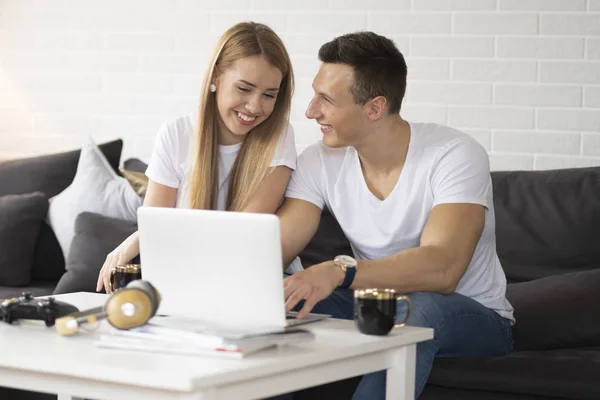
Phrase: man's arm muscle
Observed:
(447, 245)
(299, 222)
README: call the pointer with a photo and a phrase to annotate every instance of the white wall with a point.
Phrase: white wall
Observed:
(522, 76)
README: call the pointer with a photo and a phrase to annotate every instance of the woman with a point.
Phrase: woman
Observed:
(237, 154)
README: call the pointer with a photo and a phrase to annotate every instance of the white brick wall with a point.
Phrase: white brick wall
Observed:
(521, 76)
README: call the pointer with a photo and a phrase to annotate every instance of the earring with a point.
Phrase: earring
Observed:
(212, 87)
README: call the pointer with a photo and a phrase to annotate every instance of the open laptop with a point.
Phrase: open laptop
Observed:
(222, 270)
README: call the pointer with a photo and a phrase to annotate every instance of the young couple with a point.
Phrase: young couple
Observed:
(414, 199)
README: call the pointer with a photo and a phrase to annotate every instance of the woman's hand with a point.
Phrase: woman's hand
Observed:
(157, 195)
(123, 254)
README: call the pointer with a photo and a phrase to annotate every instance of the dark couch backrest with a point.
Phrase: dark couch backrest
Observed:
(329, 241)
(547, 223)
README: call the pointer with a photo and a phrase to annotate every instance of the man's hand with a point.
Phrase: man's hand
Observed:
(311, 285)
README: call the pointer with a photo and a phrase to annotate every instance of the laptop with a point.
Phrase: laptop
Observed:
(220, 270)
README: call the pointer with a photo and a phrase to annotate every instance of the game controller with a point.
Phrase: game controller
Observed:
(28, 307)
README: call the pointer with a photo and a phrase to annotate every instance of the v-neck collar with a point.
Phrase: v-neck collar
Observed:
(407, 165)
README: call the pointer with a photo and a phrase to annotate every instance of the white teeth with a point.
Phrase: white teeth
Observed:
(245, 118)
(325, 126)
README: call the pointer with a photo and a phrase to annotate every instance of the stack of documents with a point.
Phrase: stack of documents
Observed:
(162, 339)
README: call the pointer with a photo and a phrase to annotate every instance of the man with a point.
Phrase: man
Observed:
(415, 201)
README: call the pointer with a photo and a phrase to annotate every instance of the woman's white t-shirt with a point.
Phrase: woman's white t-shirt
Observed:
(172, 158)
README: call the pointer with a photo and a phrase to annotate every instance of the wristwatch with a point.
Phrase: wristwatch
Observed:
(348, 265)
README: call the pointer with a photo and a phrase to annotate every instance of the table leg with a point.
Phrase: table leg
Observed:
(400, 383)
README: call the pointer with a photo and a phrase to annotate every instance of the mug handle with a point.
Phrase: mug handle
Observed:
(407, 299)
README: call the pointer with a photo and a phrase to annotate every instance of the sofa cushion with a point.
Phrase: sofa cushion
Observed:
(36, 288)
(565, 373)
(48, 259)
(547, 222)
(49, 174)
(134, 170)
(95, 188)
(135, 164)
(21, 217)
(137, 180)
(434, 392)
(95, 237)
(559, 311)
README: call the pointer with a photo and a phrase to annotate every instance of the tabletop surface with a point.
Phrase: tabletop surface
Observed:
(31, 346)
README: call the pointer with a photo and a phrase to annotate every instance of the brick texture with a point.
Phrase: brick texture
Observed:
(520, 76)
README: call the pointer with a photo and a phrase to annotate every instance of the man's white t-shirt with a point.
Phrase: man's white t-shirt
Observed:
(442, 165)
(171, 160)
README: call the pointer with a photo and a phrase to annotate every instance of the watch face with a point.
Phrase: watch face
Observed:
(346, 260)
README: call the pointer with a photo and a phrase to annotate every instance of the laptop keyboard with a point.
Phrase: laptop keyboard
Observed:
(290, 315)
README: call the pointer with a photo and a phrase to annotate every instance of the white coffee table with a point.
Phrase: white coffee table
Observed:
(37, 358)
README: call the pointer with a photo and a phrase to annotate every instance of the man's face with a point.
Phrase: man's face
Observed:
(342, 121)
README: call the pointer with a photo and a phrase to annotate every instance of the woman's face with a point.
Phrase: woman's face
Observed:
(246, 95)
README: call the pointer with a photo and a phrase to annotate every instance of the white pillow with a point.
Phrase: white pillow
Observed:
(96, 188)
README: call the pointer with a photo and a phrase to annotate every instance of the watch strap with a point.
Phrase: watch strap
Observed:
(349, 278)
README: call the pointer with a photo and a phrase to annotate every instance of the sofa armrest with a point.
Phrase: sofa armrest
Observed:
(559, 311)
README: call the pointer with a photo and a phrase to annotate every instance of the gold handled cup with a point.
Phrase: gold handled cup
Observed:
(375, 310)
(123, 274)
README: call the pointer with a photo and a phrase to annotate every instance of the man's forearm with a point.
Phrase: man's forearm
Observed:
(299, 221)
(288, 254)
(427, 268)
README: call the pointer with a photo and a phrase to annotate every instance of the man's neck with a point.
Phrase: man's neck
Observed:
(384, 151)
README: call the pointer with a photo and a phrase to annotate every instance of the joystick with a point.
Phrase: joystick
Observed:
(28, 307)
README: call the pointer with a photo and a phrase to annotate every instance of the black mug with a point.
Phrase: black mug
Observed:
(375, 310)
(123, 274)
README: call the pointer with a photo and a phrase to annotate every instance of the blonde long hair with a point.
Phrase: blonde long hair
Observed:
(252, 165)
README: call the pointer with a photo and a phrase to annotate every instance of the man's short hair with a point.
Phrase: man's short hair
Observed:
(379, 67)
